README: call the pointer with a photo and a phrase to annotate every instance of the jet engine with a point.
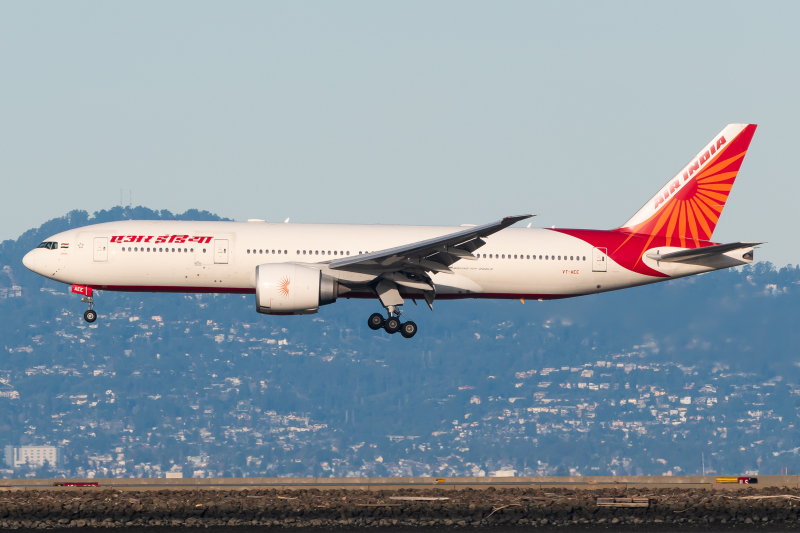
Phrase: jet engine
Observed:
(289, 289)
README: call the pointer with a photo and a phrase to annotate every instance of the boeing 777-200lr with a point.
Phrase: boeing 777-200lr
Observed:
(293, 269)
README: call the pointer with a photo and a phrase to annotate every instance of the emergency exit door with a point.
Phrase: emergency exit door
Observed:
(101, 249)
(221, 251)
(599, 259)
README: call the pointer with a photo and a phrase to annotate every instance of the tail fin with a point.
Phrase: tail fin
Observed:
(690, 204)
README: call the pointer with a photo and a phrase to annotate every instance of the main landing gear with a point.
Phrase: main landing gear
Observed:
(392, 325)
(391, 300)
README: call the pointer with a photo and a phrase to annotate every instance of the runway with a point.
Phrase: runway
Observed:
(397, 483)
(654, 503)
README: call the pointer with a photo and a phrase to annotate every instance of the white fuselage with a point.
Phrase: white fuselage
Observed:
(178, 256)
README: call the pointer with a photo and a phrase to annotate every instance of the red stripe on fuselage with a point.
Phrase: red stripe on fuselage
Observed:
(185, 290)
(347, 295)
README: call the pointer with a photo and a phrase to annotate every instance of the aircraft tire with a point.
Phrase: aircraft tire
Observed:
(90, 316)
(392, 325)
(408, 330)
(375, 321)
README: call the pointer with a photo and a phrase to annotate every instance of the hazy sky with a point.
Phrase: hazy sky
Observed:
(417, 113)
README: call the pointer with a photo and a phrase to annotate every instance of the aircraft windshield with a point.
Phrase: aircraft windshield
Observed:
(49, 245)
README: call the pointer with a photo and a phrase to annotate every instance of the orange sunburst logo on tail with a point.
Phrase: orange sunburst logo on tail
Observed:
(689, 207)
(283, 287)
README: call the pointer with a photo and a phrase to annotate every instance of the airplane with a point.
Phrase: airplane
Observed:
(294, 269)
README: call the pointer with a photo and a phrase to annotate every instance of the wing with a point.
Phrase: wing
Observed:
(431, 255)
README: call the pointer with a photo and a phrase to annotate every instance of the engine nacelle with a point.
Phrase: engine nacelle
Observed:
(289, 289)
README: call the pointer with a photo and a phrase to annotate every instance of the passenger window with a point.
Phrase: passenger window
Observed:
(334, 252)
(316, 252)
(204, 250)
(248, 251)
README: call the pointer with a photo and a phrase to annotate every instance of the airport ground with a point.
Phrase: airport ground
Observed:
(653, 503)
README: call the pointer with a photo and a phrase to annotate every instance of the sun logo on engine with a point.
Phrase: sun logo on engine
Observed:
(283, 287)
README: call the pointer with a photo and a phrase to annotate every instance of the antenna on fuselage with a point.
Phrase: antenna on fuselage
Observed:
(286, 221)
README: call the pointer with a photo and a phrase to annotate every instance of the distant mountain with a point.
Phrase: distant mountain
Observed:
(669, 378)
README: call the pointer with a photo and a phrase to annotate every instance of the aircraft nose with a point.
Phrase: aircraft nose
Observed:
(30, 261)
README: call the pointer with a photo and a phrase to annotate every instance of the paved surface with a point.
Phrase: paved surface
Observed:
(446, 529)
(601, 507)
(371, 484)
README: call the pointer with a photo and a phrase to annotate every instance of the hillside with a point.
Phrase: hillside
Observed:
(652, 380)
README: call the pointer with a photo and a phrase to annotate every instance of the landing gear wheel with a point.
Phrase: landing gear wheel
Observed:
(408, 330)
(90, 316)
(392, 325)
(375, 321)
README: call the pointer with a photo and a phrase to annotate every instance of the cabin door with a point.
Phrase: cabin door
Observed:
(221, 251)
(599, 259)
(100, 249)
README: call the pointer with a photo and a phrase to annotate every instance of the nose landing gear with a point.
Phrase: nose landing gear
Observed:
(90, 315)
(88, 298)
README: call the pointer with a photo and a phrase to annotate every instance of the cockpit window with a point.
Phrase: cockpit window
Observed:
(49, 245)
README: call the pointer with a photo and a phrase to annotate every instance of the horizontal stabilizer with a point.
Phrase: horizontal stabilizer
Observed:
(699, 253)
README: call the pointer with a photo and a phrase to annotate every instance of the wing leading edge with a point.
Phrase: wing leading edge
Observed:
(432, 255)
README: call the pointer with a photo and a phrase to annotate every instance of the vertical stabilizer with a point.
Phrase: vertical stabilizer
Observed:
(688, 207)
